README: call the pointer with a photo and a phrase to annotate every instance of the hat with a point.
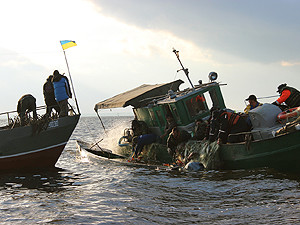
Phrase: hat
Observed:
(216, 114)
(55, 73)
(50, 78)
(214, 108)
(280, 87)
(251, 97)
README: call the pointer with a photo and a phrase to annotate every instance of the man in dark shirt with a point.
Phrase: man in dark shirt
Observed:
(49, 96)
(26, 104)
(170, 125)
(176, 137)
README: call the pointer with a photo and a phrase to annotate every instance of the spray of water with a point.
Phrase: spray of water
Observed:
(114, 133)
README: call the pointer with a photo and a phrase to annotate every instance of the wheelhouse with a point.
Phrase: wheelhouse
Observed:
(184, 106)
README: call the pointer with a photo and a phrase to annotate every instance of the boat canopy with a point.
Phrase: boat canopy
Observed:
(137, 96)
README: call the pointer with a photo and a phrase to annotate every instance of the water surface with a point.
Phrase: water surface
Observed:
(78, 191)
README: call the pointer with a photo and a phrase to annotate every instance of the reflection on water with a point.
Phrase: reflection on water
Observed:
(50, 180)
(98, 192)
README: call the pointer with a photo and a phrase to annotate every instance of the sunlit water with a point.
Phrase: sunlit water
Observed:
(97, 192)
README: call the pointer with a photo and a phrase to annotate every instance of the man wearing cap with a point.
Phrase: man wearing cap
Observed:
(289, 95)
(253, 103)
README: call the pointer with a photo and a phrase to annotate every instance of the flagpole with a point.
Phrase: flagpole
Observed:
(71, 82)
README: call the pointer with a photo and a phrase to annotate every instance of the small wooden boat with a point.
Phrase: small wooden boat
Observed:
(94, 151)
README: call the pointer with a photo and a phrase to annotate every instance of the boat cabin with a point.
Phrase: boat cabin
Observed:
(152, 103)
(184, 106)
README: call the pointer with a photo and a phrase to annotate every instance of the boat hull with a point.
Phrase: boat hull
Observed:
(36, 159)
(23, 147)
(282, 153)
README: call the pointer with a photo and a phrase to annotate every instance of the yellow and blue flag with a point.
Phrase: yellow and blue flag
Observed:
(67, 44)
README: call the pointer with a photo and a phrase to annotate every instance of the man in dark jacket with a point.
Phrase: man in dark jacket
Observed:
(49, 96)
(139, 127)
(200, 130)
(289, 95)
(175, 138)
(62, 92)
(229, 123)
(171, 123)
(26, 104)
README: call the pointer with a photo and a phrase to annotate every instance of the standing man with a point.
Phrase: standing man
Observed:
(62, 92)
(49, 96)
(289, 95)
(26, 104)
(253, 103)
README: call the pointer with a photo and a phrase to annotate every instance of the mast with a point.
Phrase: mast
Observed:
(67, 44)
(71, 83)
(185, 70)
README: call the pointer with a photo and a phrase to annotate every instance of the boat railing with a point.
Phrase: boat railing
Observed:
(9, 118)
(12, 116)
(249, 135)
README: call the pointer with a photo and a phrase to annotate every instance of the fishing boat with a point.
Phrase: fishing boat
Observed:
(264, 147)
(94, 151)
(35, 145)
(31, 142)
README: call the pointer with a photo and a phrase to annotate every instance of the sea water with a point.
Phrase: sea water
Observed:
(79, 191)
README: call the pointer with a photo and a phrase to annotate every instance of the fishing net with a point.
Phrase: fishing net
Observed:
(156, 153)
(204, 152)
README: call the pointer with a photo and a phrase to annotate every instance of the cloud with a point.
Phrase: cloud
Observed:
(260, 31)
(287, 64)
(122, 44)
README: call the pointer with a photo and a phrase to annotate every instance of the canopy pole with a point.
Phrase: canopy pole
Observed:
(100, 121)
(71, 82)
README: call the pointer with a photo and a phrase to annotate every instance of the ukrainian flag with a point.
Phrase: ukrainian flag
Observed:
(67, 44)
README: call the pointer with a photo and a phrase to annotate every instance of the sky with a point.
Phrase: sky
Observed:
(252, 45)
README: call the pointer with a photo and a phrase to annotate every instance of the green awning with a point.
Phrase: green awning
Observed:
(138, 97)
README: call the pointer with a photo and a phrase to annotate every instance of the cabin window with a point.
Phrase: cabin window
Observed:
(214, 97)
(175, 113)
(135, 113)
(153, 119)
(196, 105)
(160, 118)
(209, 101)
(167, 110)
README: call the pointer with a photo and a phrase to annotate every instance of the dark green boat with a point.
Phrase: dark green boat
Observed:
(281, 152)
(265, 148)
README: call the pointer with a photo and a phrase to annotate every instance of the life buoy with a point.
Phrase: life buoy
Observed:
(124, 144)
(293, 112)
